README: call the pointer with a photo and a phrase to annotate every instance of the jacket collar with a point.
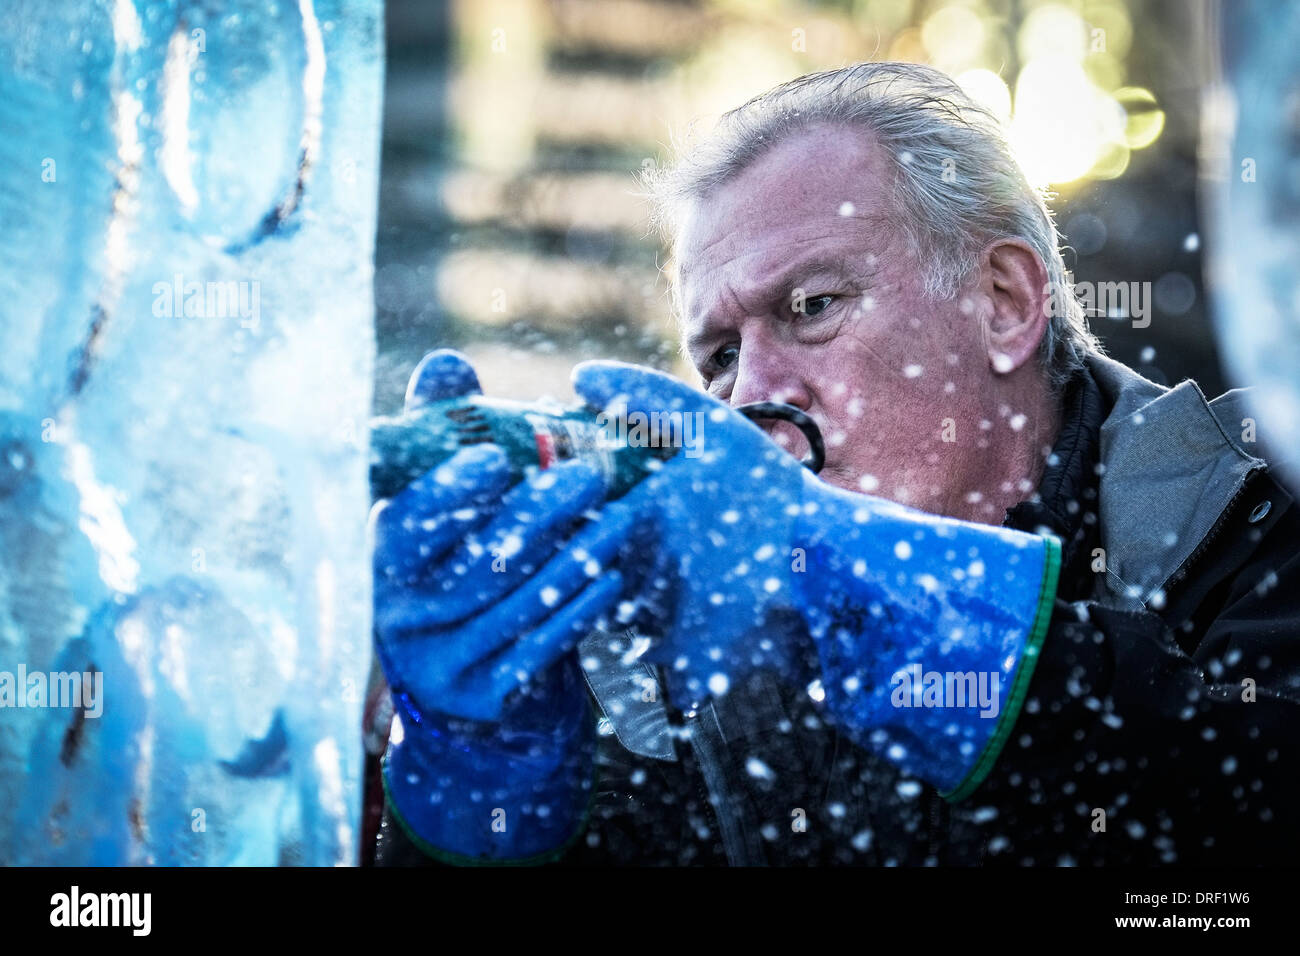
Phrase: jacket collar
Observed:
(1172, 463)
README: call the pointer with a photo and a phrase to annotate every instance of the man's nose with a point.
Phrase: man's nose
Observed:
(764, 374)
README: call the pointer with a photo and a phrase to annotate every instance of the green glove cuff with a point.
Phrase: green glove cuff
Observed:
(1024, 674)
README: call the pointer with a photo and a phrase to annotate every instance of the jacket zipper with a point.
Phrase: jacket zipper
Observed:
(696, 770)
(713, 773)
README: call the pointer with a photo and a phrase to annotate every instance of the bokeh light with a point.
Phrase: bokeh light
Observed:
(989, 90)
(552, 105)
(1145, 119)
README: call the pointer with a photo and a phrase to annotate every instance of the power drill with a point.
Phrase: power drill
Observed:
(537, 434)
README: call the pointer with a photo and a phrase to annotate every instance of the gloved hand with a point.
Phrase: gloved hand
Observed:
(756, 560)
(481, 591)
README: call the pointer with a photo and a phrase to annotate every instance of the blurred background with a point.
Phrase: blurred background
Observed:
(510, 227)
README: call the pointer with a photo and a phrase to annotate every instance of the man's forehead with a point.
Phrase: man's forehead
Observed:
(763, 246)
(829, 185)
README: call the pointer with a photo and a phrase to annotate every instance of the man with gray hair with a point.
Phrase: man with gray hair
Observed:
(1032, 609)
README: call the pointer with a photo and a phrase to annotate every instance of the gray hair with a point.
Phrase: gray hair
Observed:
(957, 185)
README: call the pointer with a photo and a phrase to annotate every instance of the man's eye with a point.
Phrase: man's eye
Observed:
(814, 305)
(724, 356)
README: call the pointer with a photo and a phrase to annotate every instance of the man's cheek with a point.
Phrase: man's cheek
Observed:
(879, 348)
(850, 422)
(844, 427)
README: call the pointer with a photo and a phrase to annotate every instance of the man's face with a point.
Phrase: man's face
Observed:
(877, 365)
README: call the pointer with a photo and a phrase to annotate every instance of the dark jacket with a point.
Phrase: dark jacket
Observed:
(1158, 727)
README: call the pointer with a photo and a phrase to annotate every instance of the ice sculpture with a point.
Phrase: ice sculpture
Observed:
(187, 205)
(1251, 201)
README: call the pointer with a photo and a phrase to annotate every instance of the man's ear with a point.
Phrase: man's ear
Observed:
(1017, 301)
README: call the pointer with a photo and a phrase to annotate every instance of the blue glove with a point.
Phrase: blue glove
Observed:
(481, 592)
(909, 616)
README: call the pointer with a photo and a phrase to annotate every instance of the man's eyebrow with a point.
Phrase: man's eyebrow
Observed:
(841, 267)
(838, 265)
(697, 338)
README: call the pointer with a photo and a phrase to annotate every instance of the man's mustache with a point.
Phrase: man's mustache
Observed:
(786, 435)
